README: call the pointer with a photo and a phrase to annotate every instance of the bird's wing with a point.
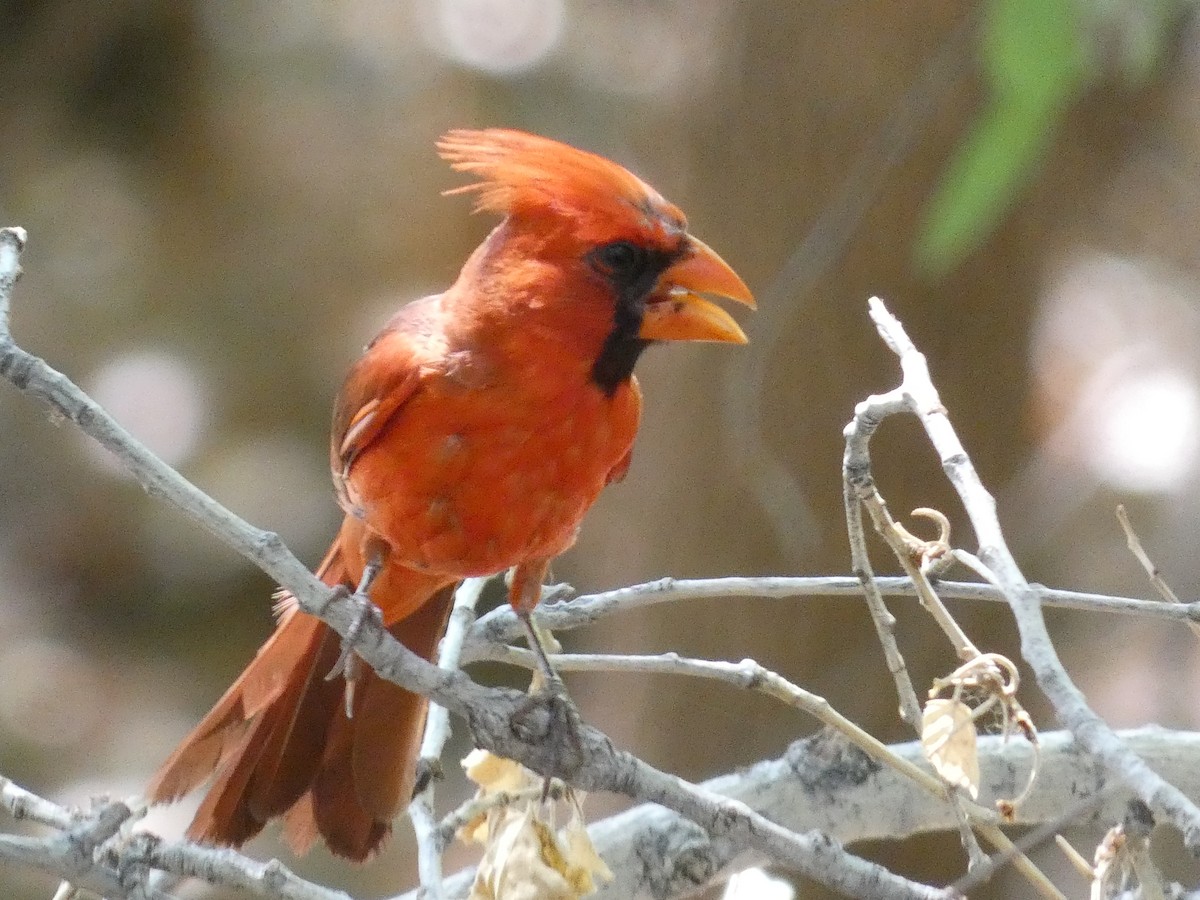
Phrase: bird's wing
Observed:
(383, 380)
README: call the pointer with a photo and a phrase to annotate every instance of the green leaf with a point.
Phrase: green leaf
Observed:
(980, 183)
(1035, 63)
(1033, 50)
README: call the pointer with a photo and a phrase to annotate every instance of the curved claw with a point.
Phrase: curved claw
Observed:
(348, 664)
(547, 714)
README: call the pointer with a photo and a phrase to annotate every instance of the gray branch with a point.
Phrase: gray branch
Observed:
(565, 611)
(820, 783)
(920, 398)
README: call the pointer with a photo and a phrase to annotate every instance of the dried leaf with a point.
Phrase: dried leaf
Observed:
(495, 773)
(519, 862)
(948, 739)
(584, 865)
(524, 858)
(476, 831)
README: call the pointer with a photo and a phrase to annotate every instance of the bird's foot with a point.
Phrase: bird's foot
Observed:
(348, 664)
(429, 770)
(548, 715)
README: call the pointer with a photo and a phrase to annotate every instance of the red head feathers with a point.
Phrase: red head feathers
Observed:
(524, 175)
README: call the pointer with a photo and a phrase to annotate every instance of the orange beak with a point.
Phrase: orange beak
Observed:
(675, 312)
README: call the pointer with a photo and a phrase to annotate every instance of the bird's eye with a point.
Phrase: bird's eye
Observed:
(621, 257)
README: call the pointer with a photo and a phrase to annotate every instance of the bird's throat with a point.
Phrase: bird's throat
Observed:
(618, 356)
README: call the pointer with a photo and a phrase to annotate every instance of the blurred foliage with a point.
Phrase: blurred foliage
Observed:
(1037, 57)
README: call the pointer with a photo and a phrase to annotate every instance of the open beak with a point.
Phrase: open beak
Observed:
(676, 312)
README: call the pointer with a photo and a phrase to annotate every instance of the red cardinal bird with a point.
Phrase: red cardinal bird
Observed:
(471, 437)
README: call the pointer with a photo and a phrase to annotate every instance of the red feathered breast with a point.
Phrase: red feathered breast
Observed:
(470, 480)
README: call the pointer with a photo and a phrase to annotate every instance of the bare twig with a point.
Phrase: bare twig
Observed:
(477, 807)
(747, 675)
(885, 622)
(437, 732)
(918, 558)
(73, 852)
(915, 557)
(1074, 857)
(858, 491)
(966, 836)
(219, 866)
(500, 626)
(921, 398)
(1139, 552)
(23, 805)
(87, 851)
(1072, 813)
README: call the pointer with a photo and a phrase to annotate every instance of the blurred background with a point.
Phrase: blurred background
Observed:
(226, 200)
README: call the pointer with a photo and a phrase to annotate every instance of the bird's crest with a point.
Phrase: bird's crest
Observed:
(525, 174)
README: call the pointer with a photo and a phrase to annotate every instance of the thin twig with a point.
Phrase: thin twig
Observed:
(437, 733)
(1037, 648)
(23, 805)
(500, 626)
(911, 554)
(747, 675)
(1074, 857)
(885, 622)
(217, 865)
(477, 807)
(1038, 836)
(1139, 552)
(966, 836)
(75, 852)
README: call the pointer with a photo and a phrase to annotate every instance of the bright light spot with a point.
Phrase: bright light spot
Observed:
(160, 399)
(169, 820)
(49, 693)
(502, 37)
(1116, 382)
(1146, 431)
(755, 884)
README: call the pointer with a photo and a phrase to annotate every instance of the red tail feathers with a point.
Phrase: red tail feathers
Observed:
(280, 743)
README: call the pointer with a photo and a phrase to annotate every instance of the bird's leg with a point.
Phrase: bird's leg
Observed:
(348, 664)
(537, 647)
(524, 592)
